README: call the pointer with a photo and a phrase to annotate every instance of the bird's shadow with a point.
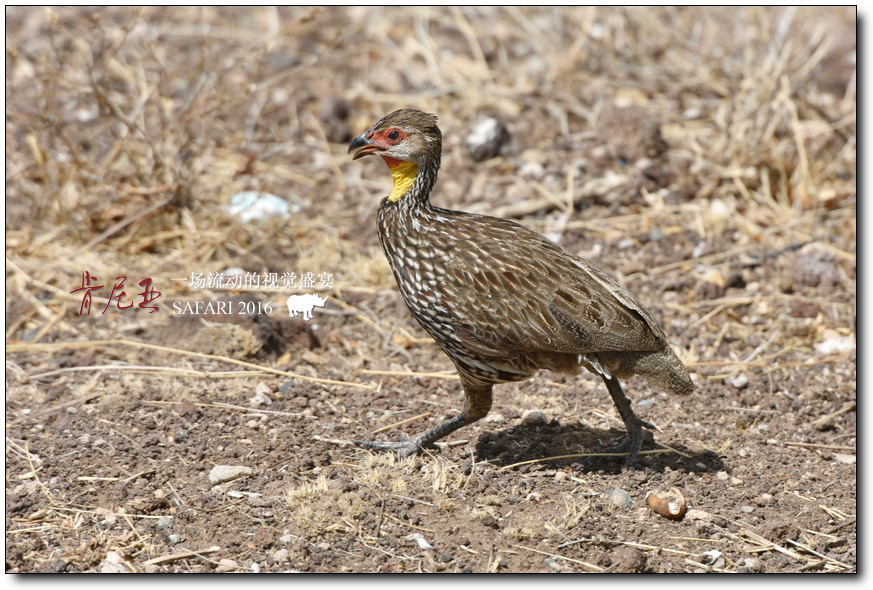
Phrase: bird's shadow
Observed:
(531, 443)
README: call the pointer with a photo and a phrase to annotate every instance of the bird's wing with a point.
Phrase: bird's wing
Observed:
(539, 297)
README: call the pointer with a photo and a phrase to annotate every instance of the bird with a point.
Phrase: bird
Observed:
(501, 300)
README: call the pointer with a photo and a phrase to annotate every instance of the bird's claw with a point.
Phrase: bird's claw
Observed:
(631, 444)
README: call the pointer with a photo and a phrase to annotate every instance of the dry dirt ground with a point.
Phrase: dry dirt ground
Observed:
(705, 157)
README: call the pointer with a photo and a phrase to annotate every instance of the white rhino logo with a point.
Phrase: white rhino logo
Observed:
(304, 304)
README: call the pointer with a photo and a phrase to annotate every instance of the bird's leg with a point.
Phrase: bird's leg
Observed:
(477, 402)
(633, 423)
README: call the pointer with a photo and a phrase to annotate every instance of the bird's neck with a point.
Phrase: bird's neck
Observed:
(404, 174)
(412, 185)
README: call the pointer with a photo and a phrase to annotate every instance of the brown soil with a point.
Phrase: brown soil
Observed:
(128, 132)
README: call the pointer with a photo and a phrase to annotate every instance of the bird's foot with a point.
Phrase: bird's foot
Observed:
(631, 444)
(403, 448)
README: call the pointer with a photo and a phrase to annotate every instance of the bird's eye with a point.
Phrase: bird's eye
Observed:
(393, 135)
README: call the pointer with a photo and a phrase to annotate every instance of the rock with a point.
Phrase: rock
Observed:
(113, 563)
(824, 423)
(621, 498)
(552, 562)
(714, 558)
(495, 418)
(226, 565)
(164, 522)
(262, 396)
(835, 345)
(422, 542)
(629, 560)
(533, 170)
(702, 515)
(740, 382)
(487, 138)
(225, 473)
(534, 418)
(847, 459)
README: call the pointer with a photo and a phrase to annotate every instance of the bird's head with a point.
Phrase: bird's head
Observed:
(407, 140)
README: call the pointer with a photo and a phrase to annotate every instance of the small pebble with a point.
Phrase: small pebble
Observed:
(422, 543)
(174, 538)
(620, 498)
(534, 418)
(847, 459)
(226, 565)
(164, 522)
(224, 473)
(824, 423)
(113, 564)
(703, 515)
(722, 475)
(487, 138)
(533, 170)
(553, 563)
(833, 345)
(747, 509)
(260, 399)
(496, 418)
(281, 555)
(740, 382)
(711, 556)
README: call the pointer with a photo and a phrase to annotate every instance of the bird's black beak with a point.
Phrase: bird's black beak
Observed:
(363, 146)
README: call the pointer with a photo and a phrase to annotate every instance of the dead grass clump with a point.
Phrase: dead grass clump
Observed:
(319, 508)
(446, 476)
(573, 513)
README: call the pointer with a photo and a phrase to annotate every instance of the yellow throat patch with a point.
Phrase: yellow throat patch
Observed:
(404, 175)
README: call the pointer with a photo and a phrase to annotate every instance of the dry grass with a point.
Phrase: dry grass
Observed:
(128, 131)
